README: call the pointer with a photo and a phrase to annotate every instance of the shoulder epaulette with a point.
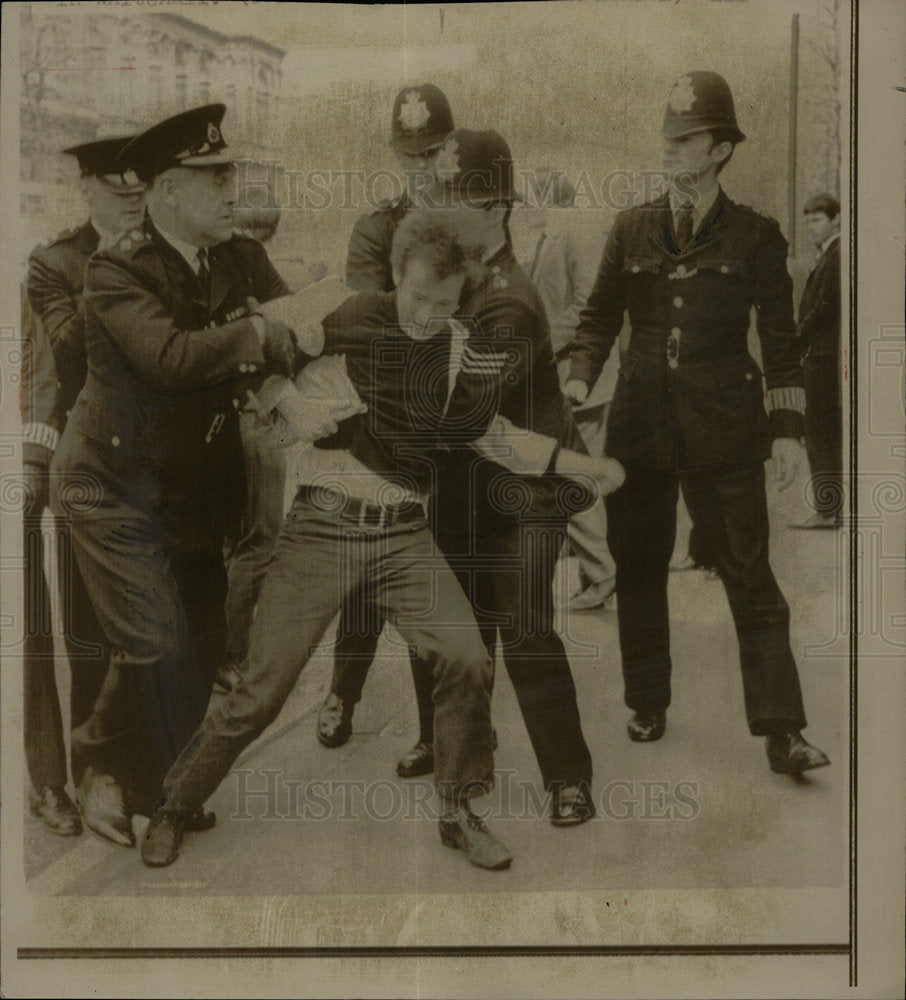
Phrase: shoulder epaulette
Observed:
(61, 237)
(131, 240)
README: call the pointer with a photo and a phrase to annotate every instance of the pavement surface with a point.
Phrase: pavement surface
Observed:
(698, 809)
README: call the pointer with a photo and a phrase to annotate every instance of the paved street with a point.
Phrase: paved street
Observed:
(698, 809)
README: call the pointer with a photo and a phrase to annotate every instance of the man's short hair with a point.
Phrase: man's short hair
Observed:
(825, 203)
(434, 237)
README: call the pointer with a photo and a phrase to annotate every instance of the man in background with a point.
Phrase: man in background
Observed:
(819, 329)
(559, 253)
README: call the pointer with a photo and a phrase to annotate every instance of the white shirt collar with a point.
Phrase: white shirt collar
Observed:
(494, 252)
(829, 240)
(107, 236)
(185, 250)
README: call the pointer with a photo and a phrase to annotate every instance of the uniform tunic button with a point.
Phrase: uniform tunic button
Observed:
(635, 269)
(681, 269)
(676, 331)
(243, 367)
(115, 441)
(749, 376)
(678, 301)
(253, 368)
(724, 269)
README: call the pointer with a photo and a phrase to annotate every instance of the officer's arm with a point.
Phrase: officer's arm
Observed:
(601, 319)
(40, 432)
(62, 316)
(368, 256)
(272, 284)
(54, 304)
(496, 370)
(170, 359)
(780, 346)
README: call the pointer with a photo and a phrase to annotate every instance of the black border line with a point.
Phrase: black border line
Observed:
(853, 500)
(448, 951)
(849, 948)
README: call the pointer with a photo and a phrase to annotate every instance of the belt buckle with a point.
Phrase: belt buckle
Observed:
(368, 508)
(673, 350)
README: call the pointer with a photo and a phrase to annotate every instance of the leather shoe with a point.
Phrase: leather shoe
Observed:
(789, 753)
(160, 846)
(103, 807)
(819, 521)
(334, 721)
(419, 760)
(646, 727)
(466, 832)
(595, 595)
(572, 805)
(199, 821)
(56, 808)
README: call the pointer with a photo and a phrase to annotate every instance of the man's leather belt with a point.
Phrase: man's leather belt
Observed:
(361, 513)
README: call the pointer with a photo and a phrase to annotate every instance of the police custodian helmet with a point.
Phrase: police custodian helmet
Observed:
(700, 101)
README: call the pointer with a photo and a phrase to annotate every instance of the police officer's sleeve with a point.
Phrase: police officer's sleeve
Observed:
(40, 432)
(268, 282)
(780, 346)
(62, 317)
(368, 256)
(601, 319)
(488, 406)
(170, 359)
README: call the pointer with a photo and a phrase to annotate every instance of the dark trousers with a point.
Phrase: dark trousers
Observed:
(86, 648)
(728, 508)
(248, 549)
(824, 433)
(507, 569)
(162, 613)
(319, 558)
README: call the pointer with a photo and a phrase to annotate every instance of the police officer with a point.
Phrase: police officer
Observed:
(149, 468)
(55, 323)
(421, 120)
(819, 328)
(689, 409)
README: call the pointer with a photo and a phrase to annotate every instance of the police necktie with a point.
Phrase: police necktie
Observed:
(684, 227)
(204, 272)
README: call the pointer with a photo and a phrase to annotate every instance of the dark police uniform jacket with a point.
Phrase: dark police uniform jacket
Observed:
(156, 421)
(368, 256)
(508, 368)
(56, 275)
(38, 391)
(689, 395)
(819, 307)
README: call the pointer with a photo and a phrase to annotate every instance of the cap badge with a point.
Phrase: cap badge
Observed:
(130, 178)
(447, 163)
(682, 97)
(213, 133)
(414, 113)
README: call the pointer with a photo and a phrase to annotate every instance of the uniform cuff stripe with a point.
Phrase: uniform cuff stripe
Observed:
(41, 434)
(787, 398)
